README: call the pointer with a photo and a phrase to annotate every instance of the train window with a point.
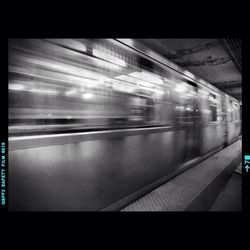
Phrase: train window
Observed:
(214, 113)
(193, 84)
(235, 111)
(145, 64)
(82, 84)
(238, 113)
(231, 111)
(213, 107)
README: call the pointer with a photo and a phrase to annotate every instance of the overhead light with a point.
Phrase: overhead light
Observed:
(206, 111)
(147, 77)
(180, 88)
(158, 91)
(136, 81)
(87, 95)
(70, 92)
(152, 78)
(16, 87)
(180, 107)
(123, 87)
(71, 70)
(44, 91)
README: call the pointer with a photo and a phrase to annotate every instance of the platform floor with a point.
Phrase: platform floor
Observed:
(212, 185)
(230, 199)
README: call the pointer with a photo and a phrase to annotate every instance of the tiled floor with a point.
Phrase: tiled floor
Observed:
(178, 193)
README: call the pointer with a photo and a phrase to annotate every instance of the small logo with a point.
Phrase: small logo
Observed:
(247, 161)
(247, 157)
(247, 167)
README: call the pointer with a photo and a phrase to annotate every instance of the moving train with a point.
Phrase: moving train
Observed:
(96, 123)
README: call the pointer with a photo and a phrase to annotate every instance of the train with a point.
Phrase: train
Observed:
(94, 124)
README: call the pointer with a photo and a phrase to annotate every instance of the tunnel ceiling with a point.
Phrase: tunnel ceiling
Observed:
(217, 61)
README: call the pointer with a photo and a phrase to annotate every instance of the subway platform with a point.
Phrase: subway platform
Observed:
(212, 185)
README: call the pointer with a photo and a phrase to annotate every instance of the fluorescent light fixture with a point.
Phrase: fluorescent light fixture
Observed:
(87, 95)
(135, 81)
(123, 87)
(180, 107)
(44, 91)
(70, 92)
(16, 87)
(189, 109)
(152, 78)
(147, 77)
(158, 91)
(206, 111)
(67, 69)
(180, 88)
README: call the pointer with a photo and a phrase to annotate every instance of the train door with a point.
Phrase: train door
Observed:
(141, 109)
(224, 119)
(193, 125)
(196, 119)
(229, 119)
(240, 119)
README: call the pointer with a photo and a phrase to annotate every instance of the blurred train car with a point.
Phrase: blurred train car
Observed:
(96, 123)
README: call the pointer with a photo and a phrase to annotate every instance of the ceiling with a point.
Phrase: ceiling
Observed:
(217, 61)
